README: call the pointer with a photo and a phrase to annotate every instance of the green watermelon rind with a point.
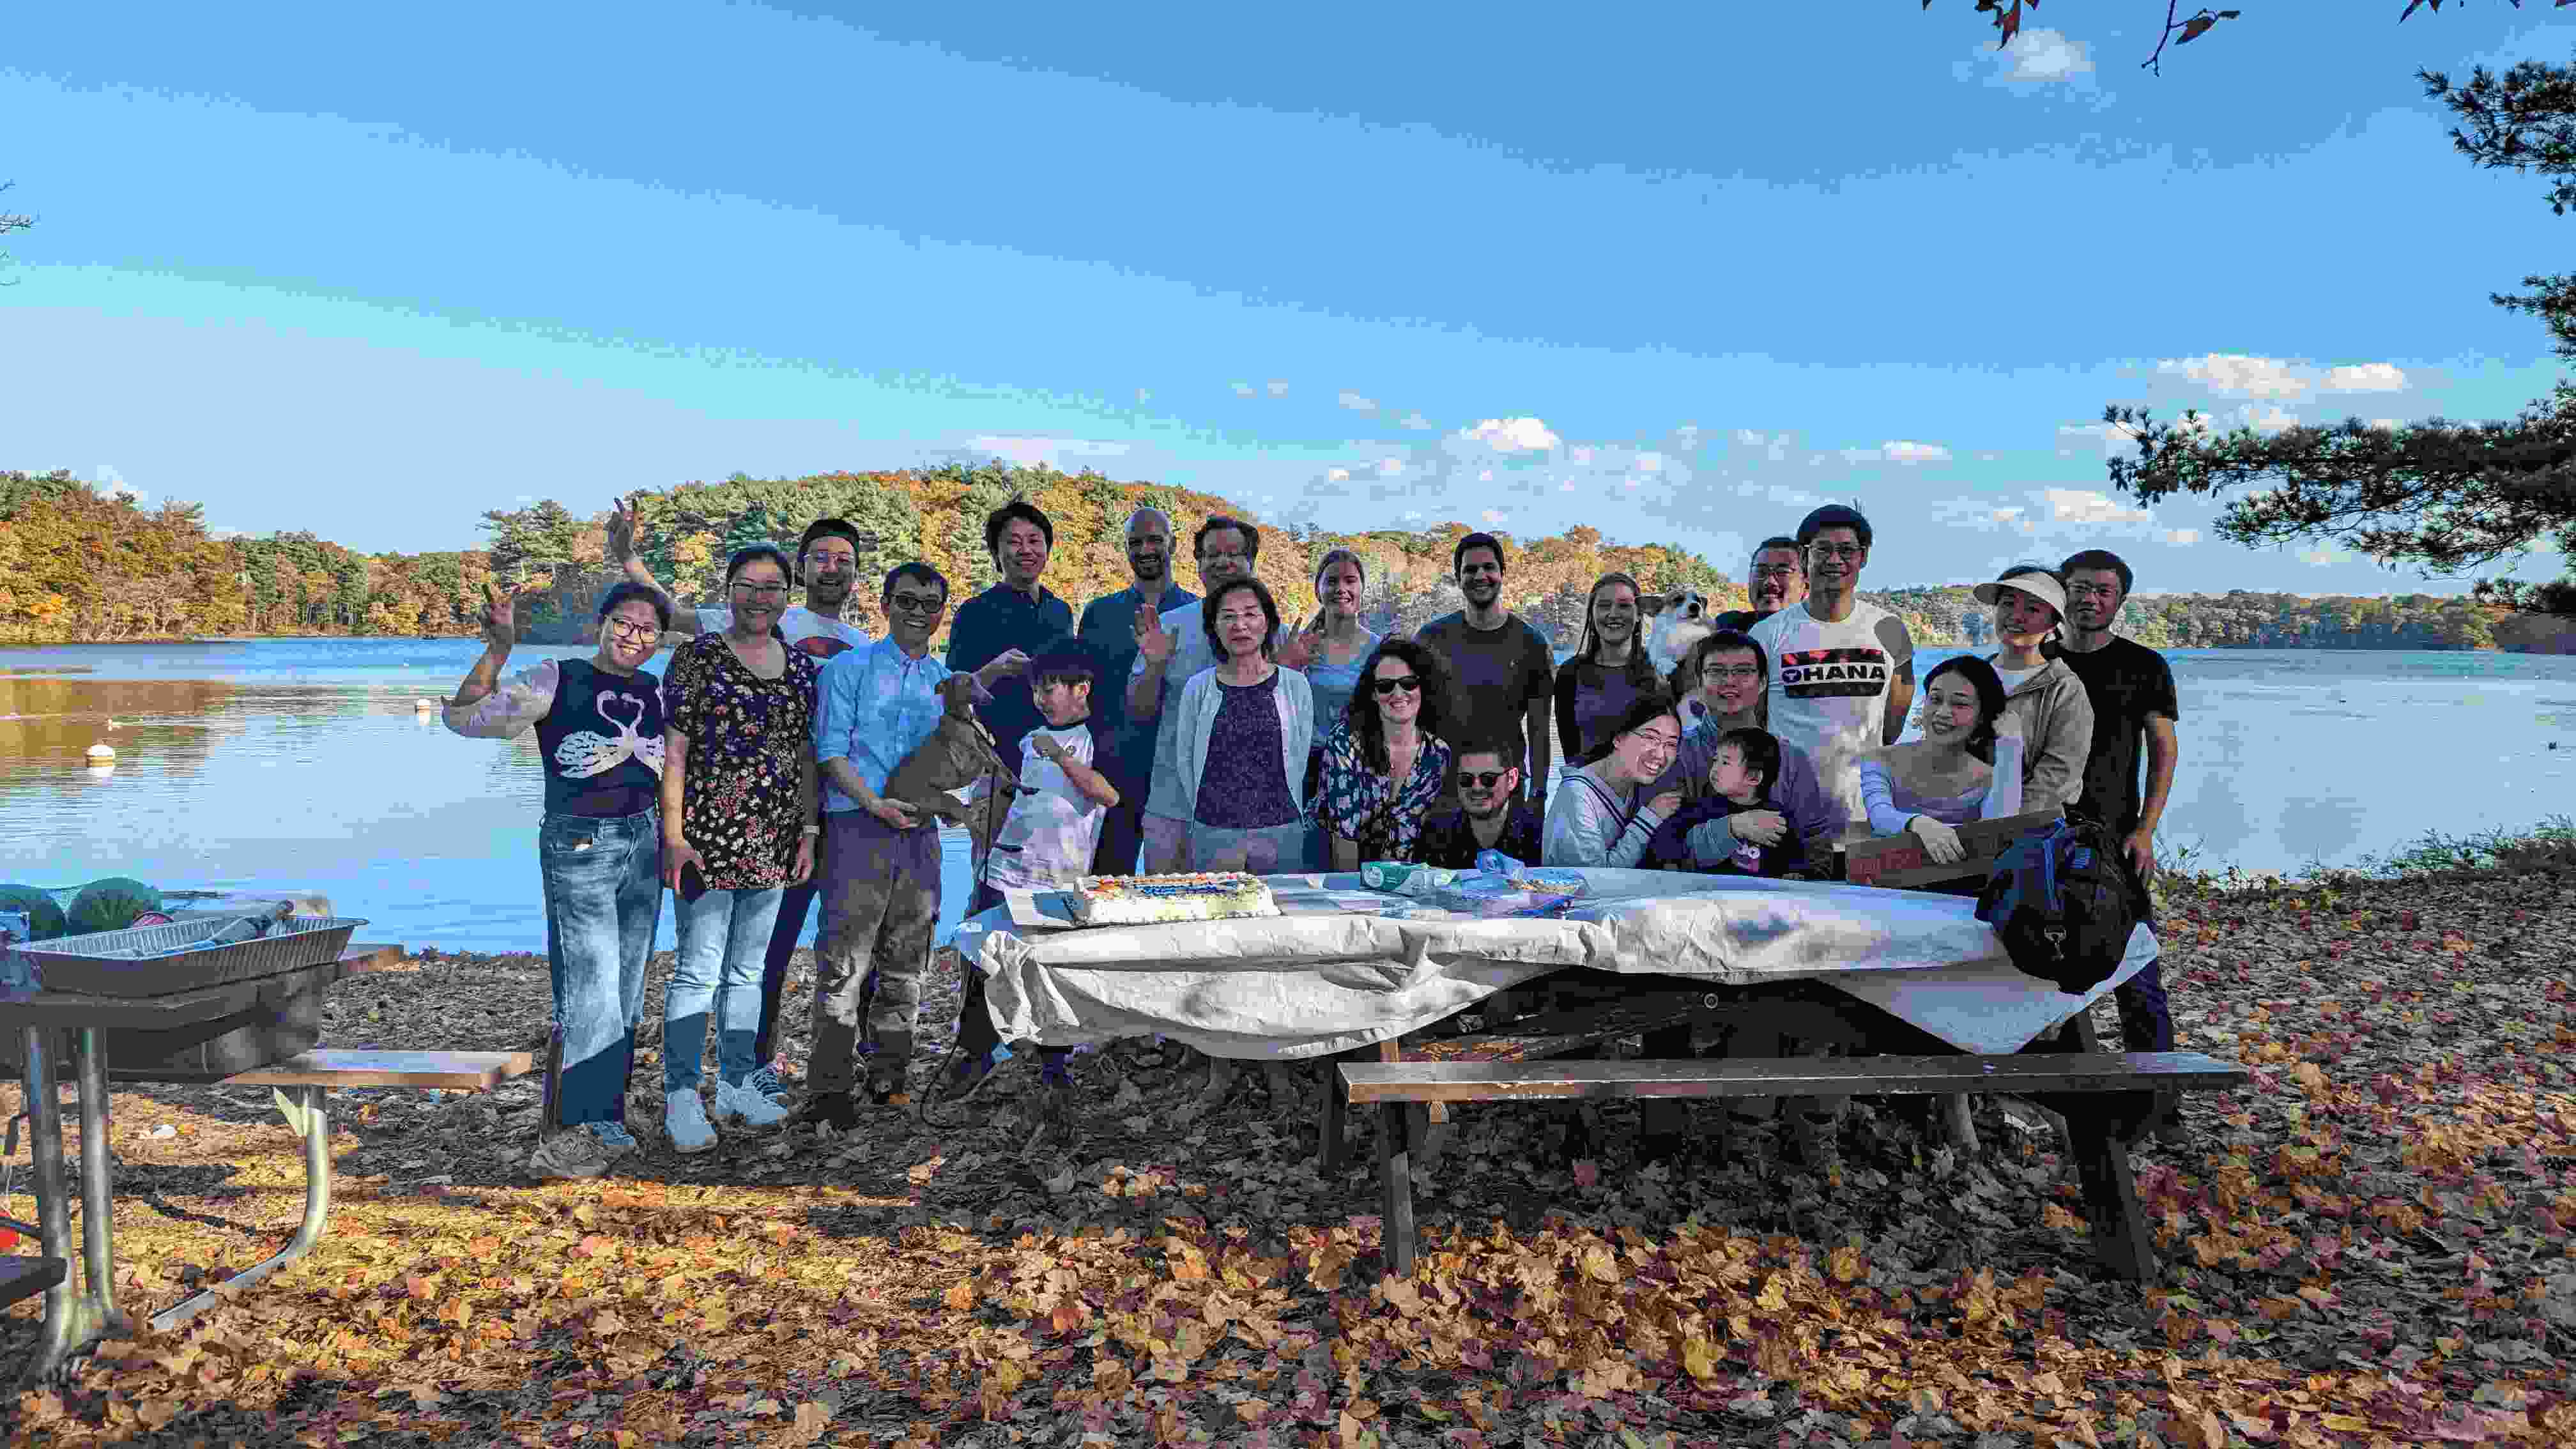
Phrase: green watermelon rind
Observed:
(110, 905)
(44, 916)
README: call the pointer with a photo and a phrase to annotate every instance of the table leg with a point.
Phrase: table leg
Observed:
(305, 1115)
(75, 1316)
(1395, 1172)
(1333, 1126)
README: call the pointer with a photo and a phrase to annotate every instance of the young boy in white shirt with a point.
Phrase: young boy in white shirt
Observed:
(1047, 841)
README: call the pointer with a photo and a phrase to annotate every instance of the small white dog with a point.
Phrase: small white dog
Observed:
(1674, 624)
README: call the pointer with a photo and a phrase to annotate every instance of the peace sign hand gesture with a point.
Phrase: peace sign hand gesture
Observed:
(1303, 647)
(500, 616)
(623, 516)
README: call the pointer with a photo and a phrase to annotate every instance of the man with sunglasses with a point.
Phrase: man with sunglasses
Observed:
(880, 861)
(1842, 671)
(1490, 813)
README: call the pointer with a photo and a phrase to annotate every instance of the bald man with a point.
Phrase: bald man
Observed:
(1108, 630)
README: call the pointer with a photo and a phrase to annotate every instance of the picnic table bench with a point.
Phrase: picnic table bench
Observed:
(81, 1309)
(2106, 1099)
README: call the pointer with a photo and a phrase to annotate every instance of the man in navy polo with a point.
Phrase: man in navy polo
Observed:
(1109, 632)
(1017, 613)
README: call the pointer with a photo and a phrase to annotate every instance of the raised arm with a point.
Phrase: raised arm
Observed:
(485, 707)
(1154, 646)
(621, 552)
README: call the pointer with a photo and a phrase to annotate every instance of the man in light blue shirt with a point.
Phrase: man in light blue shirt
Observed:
(881, 868)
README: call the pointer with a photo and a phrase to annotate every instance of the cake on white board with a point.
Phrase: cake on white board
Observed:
(1147, 900)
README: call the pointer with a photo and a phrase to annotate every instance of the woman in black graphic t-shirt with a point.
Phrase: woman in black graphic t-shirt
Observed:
(599, 852)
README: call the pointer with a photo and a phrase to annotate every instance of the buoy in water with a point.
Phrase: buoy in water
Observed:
(424, 705)
(101, 752)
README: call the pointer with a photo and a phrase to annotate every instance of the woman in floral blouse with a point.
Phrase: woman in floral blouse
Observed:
(737, 830)
(1385, 764)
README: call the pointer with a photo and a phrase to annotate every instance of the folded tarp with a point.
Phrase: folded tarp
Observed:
(1322, 978)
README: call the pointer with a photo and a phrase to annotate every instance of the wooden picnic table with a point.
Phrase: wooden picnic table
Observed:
(80, 1307)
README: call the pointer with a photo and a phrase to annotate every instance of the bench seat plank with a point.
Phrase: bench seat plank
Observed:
(1410, 1081)
(473, 1071)
(1556, 1033)
(26, 1277)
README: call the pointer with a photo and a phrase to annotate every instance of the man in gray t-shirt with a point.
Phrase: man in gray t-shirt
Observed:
(1502, 675)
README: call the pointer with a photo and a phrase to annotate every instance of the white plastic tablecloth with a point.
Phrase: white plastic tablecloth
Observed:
(1320, 978)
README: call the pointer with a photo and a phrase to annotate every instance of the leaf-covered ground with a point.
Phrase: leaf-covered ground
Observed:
(2370, 1245)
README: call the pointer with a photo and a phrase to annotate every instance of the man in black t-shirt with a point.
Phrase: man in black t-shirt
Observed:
(2134, 710)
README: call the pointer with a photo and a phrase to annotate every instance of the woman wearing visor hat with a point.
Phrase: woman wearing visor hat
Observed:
(2041, 694)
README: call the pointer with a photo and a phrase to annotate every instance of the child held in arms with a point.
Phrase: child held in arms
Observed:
(1047, 841)
(1740, 775)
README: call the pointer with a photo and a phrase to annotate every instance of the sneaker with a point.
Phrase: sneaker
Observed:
(684, 1121)
(832, 1109)
(615, 1137)
(746, 1102)
(571, 1153)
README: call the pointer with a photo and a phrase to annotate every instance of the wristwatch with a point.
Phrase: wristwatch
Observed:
(813, 830)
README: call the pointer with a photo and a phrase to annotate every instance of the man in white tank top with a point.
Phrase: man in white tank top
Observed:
(1842, 671)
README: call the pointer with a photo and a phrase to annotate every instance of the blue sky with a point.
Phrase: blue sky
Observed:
(1677, 273)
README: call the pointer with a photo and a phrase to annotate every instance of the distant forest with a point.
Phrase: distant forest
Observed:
(79, 565)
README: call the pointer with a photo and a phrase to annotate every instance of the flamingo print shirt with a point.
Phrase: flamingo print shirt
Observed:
(600, 733)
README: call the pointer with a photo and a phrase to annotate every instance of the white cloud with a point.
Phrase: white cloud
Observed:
(1417, 422)
(1245, 389)
(1687, 435)
(1748, 437)
(2367, 377)
(1898, 451)
(1649, 462)
(1143, 396)
(2085, 505)
(1337, 475)
(2035, 61)
(220, 534)
(1510, 435)
(1579, 455)
(2107, 436)
(1390, 467)
(2262, 418)
(1357, 403)
(1278, 388)
(1029, 452)
(1493, 516)
(2182, 535)
(2320, 557)
(2235, 372)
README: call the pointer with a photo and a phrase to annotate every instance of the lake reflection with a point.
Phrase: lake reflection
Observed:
(305, 763)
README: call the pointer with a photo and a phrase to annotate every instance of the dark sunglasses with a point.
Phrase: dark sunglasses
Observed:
(1409, 683)
(1482, 779)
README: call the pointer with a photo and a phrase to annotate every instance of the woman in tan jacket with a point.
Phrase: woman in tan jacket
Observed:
(2055, 713)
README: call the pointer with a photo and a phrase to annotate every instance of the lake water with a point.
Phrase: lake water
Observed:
(303, 763)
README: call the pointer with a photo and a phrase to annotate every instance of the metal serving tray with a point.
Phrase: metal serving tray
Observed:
(135, 963)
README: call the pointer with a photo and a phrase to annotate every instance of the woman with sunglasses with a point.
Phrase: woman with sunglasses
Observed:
(1599, 814)
(1243, 728)
(599, 852)
(738, 828)
(1337, 655)
(1385, 765)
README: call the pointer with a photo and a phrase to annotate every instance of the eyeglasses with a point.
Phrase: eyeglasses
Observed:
(761, 591)
(1206, 559)
(2092, 591)
(1482, 779)
(1843, 551)
(1775, 571)
(918, 606)
(623, 629)
(831, 563)
(1731, 671)
(1409, 683)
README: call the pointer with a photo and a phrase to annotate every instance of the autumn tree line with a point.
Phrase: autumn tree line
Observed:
(79, 564)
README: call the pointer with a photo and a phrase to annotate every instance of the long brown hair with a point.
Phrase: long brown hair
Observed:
(1640, 670)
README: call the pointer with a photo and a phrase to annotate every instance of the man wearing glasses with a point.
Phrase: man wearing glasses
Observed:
(1732, 674)
(828, 558)
(1776, 578)
(1842, 671)
(1019, 612)
(880, 862)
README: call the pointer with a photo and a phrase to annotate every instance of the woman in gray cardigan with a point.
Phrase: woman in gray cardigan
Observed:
(1597, 815)
(2055, 714)
(1244, 728)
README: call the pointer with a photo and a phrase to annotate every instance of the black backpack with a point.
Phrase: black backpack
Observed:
(2062, 900)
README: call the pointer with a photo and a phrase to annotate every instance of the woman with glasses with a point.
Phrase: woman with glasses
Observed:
(1384, 765)
(1602, 813)
(737, 830)
(1243, 729)
(599, 856)
(1337, 655)
(1597, 684)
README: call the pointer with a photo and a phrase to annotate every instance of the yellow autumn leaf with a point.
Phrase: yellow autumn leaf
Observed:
(2345, 1424)
(1847, 1264)
(1599, 1265)
(1699, 1358)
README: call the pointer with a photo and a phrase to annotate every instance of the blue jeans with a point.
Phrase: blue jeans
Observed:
(724, 936)
(603, 890)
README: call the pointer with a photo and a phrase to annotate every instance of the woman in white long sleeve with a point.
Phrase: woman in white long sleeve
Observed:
(1596, 817)
(1966, 767)
(598, 723)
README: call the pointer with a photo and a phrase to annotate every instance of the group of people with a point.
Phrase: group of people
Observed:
(1164, 731)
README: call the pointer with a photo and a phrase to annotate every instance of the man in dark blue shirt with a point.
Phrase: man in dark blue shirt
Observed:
(1017, 613)
(1109, 632)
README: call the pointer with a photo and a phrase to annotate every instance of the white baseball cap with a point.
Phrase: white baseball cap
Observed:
(2040, 584)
